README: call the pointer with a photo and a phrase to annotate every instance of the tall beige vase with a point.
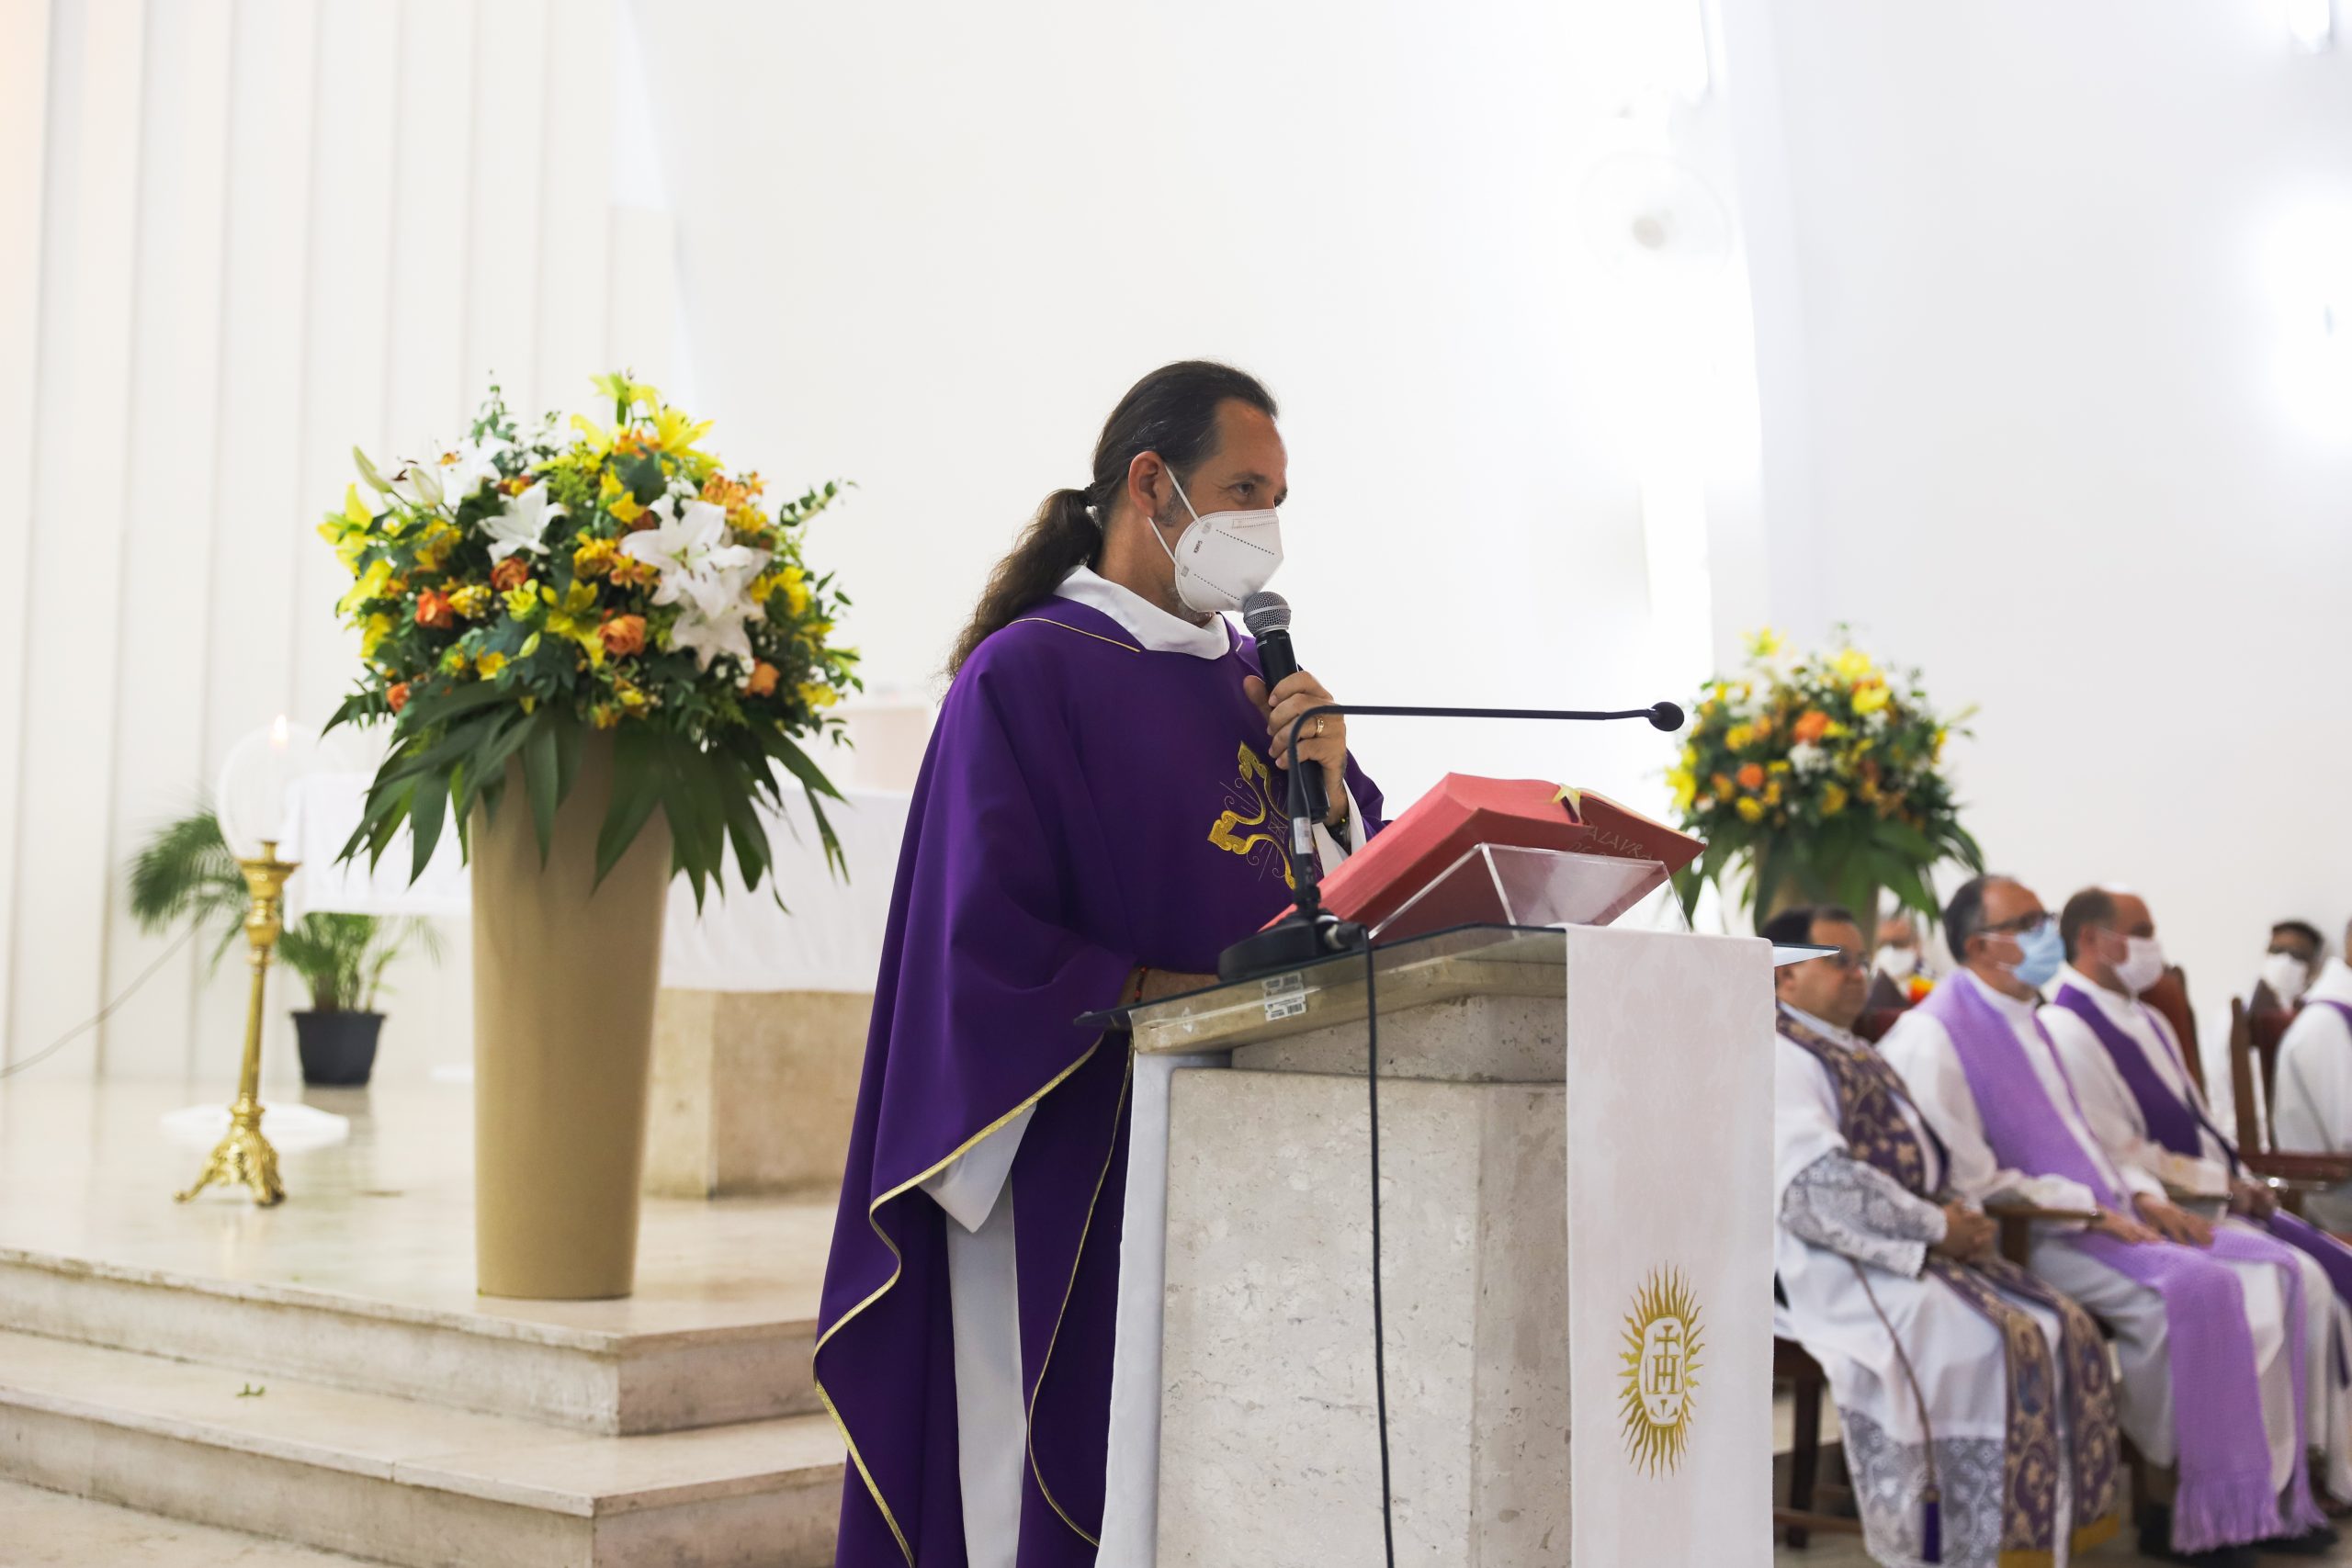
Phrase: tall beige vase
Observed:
(564, 979)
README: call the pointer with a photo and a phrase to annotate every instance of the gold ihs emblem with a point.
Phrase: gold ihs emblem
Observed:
(1659, 1375)
(1254, 827)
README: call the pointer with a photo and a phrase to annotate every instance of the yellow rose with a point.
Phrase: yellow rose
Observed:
(470, 600)
(594, 559)
(1869, 699)
(1739, 738)
(1750, 809)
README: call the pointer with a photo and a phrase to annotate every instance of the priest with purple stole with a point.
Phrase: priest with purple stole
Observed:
(2145, 1108)
(1975, 1400)
(2209, 1333)
(1101, 810)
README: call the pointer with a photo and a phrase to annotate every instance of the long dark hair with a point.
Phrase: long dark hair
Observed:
(1171, 412)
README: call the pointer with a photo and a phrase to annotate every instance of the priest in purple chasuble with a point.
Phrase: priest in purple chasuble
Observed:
(2209, 1323)
(1101, 810)
(1975, 1400)
(2147, 1111)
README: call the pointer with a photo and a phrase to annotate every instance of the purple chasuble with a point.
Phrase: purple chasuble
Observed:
(1086, 807)
(2225, 1496)
(2175, 1123)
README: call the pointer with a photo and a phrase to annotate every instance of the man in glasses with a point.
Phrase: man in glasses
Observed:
(1891, 1283)
(2211, 1337)
(2141, 1101)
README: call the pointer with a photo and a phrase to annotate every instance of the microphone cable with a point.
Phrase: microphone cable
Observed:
(1379, 1336)
(107, 1011)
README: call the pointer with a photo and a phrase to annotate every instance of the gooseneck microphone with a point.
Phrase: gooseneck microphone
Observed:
(1268, 617)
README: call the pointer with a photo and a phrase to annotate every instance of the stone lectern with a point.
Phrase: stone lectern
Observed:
(1575, 1140)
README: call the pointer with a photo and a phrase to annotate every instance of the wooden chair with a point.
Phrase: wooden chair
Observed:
(2253, 1044)
(1806, 1381)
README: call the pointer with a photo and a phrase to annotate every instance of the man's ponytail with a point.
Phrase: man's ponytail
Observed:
(1171, 412)
(1058, 540)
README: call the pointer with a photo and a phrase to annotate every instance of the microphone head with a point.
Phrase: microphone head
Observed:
(1263, 612)
(1666, 716)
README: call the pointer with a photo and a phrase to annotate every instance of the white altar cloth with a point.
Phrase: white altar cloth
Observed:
(831, 940)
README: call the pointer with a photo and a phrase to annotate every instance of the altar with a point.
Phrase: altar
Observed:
(1576, 1233)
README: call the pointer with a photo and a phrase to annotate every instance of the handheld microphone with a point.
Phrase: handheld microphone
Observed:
(1268, 617)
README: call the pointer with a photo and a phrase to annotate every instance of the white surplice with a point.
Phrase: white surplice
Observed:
(2313, 1108)
(1920, 1049)
(2113, 1114)
(1950, 1346)
(983, 1286)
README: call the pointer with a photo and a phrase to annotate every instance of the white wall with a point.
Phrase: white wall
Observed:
(2040, 325)
(937, 245)
(239, 238)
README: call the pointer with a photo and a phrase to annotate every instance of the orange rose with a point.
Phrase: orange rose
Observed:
(1812, 725)
(623, 635)
(510, 573)
(397, 694)
(763, 681)
(433, 609)
(1752, 776)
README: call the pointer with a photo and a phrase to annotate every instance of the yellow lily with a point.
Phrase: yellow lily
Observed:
(571, 619)
(374, 583)
(593, 437)
(676, 432)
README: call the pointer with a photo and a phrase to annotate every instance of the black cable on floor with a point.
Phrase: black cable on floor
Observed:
(1379, 1336)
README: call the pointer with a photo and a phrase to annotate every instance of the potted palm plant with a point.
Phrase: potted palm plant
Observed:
(185, 872)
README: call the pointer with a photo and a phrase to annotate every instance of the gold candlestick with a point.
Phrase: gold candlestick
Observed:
(244, 1157)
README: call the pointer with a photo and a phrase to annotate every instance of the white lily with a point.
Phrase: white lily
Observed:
(709, 636)
(689, 547)
(522, 525)
(446, 478)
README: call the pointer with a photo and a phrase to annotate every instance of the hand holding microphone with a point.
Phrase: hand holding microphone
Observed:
(1284, 693)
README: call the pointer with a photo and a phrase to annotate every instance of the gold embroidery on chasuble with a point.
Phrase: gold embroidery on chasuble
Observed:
(1252, 825)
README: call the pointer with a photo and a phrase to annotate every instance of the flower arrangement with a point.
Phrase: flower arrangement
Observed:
(518, 591)
(1823, 774)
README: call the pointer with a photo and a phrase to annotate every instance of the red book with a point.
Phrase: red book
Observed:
(1464, 811)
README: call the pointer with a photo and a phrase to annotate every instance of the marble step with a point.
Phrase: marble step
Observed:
(576, 1365)
(50, 1530)
(416, 1484)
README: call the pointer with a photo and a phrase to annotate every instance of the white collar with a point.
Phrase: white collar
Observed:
(1845, 1037)
(2016, 1012)
(2335, 982)
(1154, 627)
(2113, 1000)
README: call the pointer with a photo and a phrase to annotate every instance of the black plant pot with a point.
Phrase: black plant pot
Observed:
(338, 1048)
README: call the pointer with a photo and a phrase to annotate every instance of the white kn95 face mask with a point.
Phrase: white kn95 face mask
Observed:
(1223, 557)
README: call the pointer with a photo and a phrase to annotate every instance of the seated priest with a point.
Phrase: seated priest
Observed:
(1978, 1413)
(2147, 1111)
(2296, 954)
(2209, 1326)
(2312, 1109)
(1099, 812)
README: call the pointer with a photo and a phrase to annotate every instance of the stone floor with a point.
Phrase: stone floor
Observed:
(388, 1215)
(48, 1529)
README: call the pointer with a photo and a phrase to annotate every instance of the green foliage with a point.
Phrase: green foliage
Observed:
(185, 874)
